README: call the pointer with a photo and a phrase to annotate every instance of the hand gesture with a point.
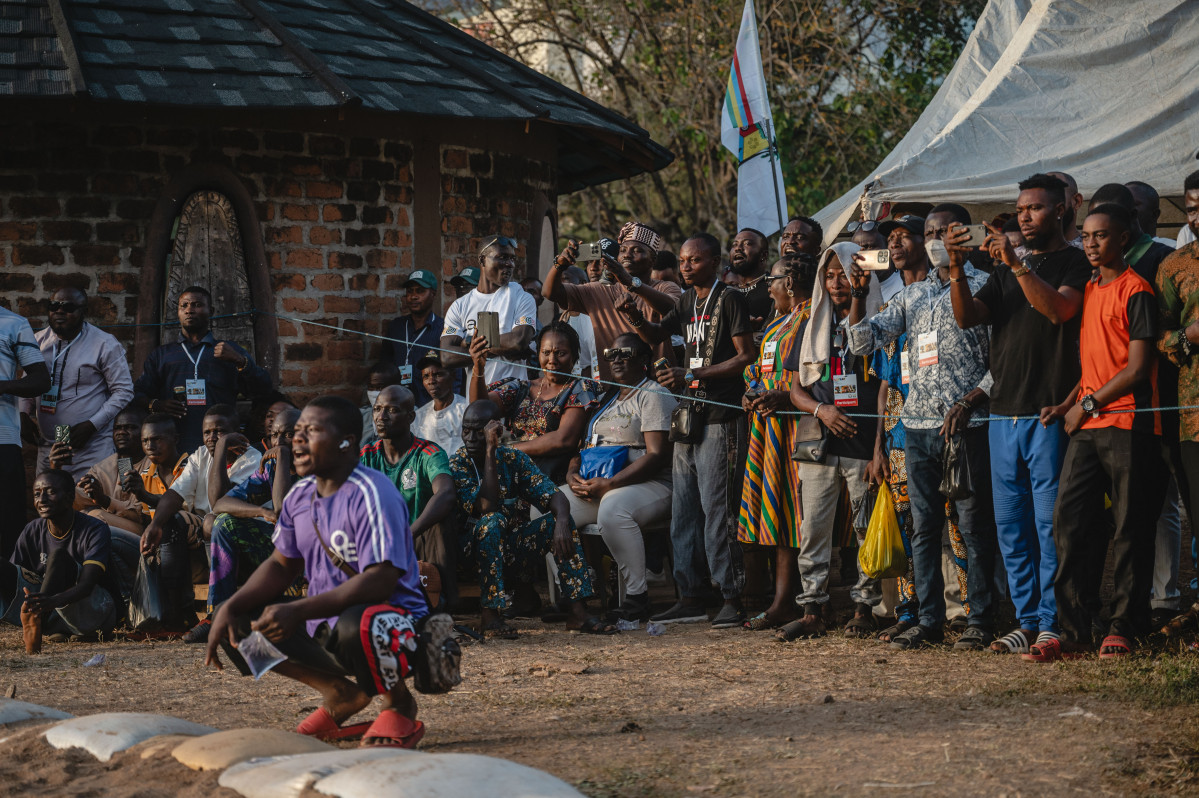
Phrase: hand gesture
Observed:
(172, 407)
(478, 353)
(131, 482)
(671, 378)
(837, 422)
(859, 278)
(236, 443)
(627, 305)
(60, 454)
(770, 402)
(955, 421)
(618, 270)
(1000, 248)
(955, 239)
(226, 351)
(1074, 419)
(568, 256)
(93, 490)
(492, 432)
(277, 622)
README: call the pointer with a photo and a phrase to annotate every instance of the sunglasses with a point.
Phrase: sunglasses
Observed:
(503, 241)
(65, 307)
(770, 278)
(619, 353)
(865, 227)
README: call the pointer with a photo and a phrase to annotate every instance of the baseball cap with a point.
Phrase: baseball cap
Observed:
(423, 278)
(469, 275)
(610, 248)
(429, 358)
(909, 222)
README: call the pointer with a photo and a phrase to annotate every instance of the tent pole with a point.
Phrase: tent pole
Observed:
(773, 174)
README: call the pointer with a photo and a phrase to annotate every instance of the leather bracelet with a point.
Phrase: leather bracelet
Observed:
(638, 323)
(561, 265)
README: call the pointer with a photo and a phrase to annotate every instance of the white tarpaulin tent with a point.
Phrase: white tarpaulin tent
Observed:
(1106, 91)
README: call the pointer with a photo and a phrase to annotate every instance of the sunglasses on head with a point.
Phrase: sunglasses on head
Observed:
(65, 307)
(772, 277)
(503, 241)
(615, 353)
(865, 227)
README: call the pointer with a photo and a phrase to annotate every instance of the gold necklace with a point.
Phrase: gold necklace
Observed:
(541, 389)
(50, 529)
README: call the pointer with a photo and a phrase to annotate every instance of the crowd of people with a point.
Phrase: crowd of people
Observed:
(730, 419)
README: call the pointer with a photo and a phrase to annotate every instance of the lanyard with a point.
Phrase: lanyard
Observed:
(409, 344)
(195, 360)
(57, 374)
(595, 418)
(700, 320)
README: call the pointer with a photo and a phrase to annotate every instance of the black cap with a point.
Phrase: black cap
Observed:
(429, 358)
(909, 222)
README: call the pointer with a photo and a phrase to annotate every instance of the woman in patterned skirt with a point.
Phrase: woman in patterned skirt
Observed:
(770, 510)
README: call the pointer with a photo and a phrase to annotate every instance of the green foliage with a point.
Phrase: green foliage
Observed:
(847, 78)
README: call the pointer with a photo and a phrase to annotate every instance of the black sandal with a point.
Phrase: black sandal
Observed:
(893, 631)
(801, 629)
(859, 626)
(594, 626)
(916, 637)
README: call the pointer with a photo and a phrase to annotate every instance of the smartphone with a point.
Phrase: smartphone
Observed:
(875, 260)
(590, 252)
(62, 433)
(124, 466)
(488, 326)
(978, 234)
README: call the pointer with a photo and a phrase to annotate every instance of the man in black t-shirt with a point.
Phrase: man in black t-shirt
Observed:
(59, 579)
(828, 389)
(707, 472)
(749, 261)
(1034, 308)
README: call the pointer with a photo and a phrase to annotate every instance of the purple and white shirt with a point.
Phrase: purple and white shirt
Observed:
(365, 522)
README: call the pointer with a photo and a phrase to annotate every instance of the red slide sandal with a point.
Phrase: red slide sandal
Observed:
(320, 724)
(393, 730)
(1121, 645)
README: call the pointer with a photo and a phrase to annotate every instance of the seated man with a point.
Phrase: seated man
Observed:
(439, 420)
(58, 580)
(345, 527)
(98, 489)
(492, 481)
(421, 471)
(200, 485)
(244, 519)
(382, 375)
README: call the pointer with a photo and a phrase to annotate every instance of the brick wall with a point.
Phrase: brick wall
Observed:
(484, 194)
(335, 211)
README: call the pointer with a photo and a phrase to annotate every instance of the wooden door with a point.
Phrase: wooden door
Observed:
(208, 252)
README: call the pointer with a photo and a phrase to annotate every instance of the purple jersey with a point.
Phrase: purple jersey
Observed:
(365, 522)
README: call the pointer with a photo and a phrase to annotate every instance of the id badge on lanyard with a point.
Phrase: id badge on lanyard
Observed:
(405, 375)
(49, 401)
(195, 389)
(927, 349)
(769, 353)
(845, 390)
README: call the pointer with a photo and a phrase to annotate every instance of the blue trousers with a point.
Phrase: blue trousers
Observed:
(1026, 460)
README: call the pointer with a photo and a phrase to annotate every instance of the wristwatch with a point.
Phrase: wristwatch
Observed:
(1089, 405)
(690, 376)
(635, 283)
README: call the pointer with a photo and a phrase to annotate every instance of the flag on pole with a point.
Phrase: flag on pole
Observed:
(747, 131)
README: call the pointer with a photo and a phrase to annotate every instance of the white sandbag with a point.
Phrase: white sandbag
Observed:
(219, 751)
(288, 776)
(18, 711)
(444, 776)
(111, 732)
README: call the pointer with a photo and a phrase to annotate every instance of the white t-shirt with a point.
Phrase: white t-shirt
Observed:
(443, 427)
(516, 308)
(18, 348)
(192, 484)
(1185, 236)
(587, 355)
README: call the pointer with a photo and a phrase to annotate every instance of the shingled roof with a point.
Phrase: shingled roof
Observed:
(382, 55)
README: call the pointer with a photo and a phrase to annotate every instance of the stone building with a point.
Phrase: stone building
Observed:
(299, 157)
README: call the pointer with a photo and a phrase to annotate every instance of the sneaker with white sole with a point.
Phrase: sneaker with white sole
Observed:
(681, 613)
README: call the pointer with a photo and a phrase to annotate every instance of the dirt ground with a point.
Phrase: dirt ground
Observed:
(695, 711)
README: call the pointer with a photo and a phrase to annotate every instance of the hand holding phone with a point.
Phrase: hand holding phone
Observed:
(874, 260)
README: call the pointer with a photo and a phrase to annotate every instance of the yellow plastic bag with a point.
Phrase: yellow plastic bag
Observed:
(881, 555)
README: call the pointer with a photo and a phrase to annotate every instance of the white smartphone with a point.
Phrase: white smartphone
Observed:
(875, 260)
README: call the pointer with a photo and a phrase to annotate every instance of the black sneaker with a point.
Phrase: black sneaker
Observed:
(199, 632)
(681, 613)
(730, 616)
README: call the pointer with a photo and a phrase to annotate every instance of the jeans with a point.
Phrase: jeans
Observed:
(1130, 465)
(1164, 593)
(702, 524)
(820, 487)
(1026, 459)
(975, 520)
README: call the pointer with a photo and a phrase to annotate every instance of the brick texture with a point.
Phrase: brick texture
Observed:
(335, 217)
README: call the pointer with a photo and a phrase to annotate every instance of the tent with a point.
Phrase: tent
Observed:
(1105, 91)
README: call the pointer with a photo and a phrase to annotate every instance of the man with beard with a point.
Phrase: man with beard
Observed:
(639, 247)
(1069, 218)
(802, 234)
(184, 378)
(1033, 305)
(748, 261)
(947, 397)
(89, 384)
(495, 293)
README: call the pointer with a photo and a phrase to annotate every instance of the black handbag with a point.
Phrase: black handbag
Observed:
(811, 440)
(956, 480)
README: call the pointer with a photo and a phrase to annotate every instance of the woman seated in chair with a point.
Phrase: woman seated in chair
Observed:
(621, 479)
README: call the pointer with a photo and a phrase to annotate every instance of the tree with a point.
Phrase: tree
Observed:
(847, 78)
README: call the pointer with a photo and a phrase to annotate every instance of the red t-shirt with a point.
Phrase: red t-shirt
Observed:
(1113, 315)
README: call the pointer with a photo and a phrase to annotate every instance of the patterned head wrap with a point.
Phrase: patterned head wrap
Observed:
(641, 234)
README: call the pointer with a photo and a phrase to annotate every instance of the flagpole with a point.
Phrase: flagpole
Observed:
(774, 178)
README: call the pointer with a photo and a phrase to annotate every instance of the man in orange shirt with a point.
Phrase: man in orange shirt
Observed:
(1112, 443)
